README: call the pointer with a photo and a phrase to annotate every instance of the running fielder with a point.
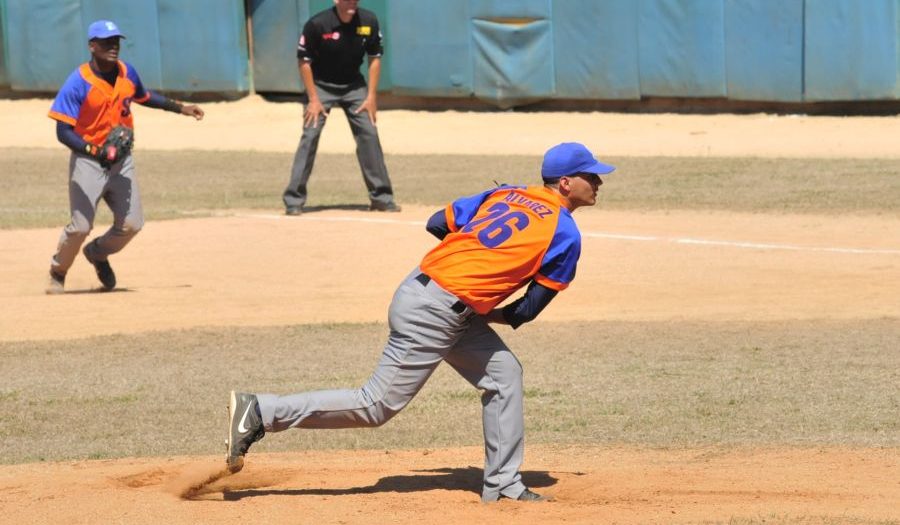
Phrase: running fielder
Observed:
(492, 244)
(95, 100)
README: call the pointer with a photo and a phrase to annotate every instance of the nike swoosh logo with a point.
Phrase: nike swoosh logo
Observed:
(241, 428)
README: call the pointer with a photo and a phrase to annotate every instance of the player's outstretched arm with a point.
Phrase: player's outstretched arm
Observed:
(192, 110)
(156, 100)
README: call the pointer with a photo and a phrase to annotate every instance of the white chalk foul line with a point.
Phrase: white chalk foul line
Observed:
(333, 219)
(624, 237)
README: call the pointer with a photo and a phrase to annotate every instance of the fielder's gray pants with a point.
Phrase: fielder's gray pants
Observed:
(368, 148)
(88, 183)
(424, 332)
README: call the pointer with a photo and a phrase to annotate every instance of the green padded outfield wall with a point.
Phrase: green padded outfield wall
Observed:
(4, 78)
(505, 52)
(196, 46)
(851, 50)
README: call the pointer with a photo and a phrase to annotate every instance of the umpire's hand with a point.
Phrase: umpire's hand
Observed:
(314, 110)
(369, 105)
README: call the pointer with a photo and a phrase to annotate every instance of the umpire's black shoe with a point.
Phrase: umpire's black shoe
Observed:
(245, 427)
(104, 271)
(384, 206)
(293, 210)
(527, 495)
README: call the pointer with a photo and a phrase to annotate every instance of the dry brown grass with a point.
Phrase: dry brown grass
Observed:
(666, 384)
(189, 183)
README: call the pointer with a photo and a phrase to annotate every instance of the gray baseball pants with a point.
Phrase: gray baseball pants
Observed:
(88, 183)
(424, 331)
(368, 148)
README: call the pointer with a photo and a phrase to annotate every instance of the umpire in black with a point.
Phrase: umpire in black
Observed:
(330, 54)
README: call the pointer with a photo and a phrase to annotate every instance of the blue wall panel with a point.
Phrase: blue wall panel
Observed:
(764, 49)
(511, 9)
(513, 62)
(42, 64)
(430, 48)
(200, 46)
(203, 48)
(682, 48)
(512, 45)
(851, 49)
(595, 49)
(4, 78)
(276, 30)
(507, 52)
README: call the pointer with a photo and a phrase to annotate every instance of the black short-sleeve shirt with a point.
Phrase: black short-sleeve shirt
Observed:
(335, 50)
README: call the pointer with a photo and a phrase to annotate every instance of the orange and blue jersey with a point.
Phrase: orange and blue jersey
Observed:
(502, 239)
(93, 106)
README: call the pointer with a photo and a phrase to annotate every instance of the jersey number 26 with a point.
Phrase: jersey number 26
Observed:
(502, 225)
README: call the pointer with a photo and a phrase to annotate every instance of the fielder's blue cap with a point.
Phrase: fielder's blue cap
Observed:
(103, 29)
(570, 158)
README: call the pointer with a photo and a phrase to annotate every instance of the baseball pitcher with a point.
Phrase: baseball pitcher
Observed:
(492, 244)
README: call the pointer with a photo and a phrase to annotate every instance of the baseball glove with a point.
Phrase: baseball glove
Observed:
(117, 146)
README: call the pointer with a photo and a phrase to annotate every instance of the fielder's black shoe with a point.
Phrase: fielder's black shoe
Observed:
(104, 270)
(384, 206)
(245, 427)
(293, 210)
(57, 284)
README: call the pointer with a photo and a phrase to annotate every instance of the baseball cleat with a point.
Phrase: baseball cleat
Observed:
(528, 495)
(57, 284)
(384, 206)
(293, 210)
(104, 270)
(245, 427)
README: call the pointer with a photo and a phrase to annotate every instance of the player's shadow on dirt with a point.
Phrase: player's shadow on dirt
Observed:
(468, 479)
(96, 291)
(342, 207)
(124, 289)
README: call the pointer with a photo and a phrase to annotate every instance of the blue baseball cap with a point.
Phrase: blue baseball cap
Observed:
(103, 29)
(570, 158)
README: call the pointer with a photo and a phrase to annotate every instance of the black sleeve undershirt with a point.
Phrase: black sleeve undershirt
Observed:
(65, 133)
(437, 225)
(527, 307)
(161, 102)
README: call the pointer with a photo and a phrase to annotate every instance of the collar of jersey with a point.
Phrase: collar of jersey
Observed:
(88, 73)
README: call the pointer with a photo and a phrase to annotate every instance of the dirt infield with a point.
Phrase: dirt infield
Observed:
(440, 486)
(253, 124)
(186, 273)
(647, 266)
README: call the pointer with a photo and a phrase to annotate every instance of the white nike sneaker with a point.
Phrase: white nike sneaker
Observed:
(245, 427)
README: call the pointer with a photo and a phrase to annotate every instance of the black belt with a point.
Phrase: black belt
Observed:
(458, 307)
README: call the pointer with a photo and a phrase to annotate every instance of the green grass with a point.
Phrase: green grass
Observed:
(654, 384)
(191, 183)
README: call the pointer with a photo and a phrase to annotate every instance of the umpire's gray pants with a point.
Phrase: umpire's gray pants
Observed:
(88, 183)
(368, 148)
(424, 332)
